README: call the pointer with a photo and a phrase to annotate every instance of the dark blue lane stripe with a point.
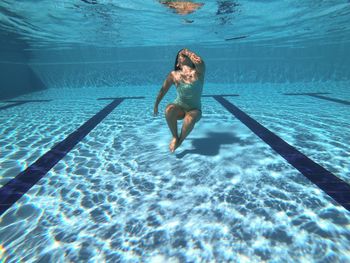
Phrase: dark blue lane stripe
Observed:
(328, 182)
(305, 94)
(17, 187)
(19, 102)
(319, 96)
(12, 105)
(28, 100)
(330, 99)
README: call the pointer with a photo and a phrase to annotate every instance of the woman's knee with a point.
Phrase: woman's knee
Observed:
(194, 115)
(170, 109)
(190, 118)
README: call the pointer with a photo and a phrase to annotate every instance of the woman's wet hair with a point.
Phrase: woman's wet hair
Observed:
(176, 67)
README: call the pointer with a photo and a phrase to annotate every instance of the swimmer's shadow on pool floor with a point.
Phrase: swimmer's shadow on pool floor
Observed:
(210, 145)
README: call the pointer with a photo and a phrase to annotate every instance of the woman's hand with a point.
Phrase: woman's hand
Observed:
(192, 56)
(155, 111)
(196, 60)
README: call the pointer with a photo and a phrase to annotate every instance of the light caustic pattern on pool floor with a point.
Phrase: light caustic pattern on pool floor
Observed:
(225, 195)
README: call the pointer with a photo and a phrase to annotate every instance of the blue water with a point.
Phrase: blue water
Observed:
(85, 170)
(225, 195)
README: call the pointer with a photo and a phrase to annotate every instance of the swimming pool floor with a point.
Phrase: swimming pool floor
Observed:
(264, 176)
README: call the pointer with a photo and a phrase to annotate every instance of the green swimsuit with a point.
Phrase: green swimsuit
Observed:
(189, 95)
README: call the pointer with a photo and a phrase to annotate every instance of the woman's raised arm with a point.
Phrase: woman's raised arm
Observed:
(196, 60)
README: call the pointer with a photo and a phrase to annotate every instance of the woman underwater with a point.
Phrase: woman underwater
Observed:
(188, 77)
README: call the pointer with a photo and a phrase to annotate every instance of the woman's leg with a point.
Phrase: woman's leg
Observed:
(190, 120)
(172, 114)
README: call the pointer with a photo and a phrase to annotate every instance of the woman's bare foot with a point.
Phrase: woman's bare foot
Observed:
(174, 143)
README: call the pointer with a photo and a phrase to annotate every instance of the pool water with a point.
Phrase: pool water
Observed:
(86, 174)
(225, 195)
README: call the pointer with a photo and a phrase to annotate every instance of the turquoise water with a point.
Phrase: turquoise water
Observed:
(114, 23)
(224, 196)
(112, 191)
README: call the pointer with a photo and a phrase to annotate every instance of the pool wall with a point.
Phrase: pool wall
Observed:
(149, 65)
(16, 76)
(24, 69)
